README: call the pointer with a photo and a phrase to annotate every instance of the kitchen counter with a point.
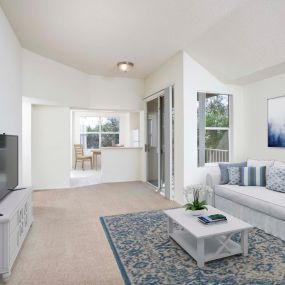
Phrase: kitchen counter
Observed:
(121, 147)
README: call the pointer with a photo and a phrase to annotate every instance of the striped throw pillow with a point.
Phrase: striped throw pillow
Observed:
(253, 176)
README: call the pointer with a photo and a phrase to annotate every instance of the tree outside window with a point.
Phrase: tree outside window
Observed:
(213, 128)
(96, 132)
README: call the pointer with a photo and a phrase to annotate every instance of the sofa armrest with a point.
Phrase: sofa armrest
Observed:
(213, 179)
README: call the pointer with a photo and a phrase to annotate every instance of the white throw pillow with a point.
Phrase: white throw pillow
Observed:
(279, 164)
(259, 163)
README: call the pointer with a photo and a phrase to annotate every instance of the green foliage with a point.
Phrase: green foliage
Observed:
(112, 124)
(217, 139)
(92, 141)
(109, 126)
(217, 114)
(90, 129)
(196, 204)
(108, 139)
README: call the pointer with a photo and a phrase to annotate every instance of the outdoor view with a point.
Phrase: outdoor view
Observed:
(96, 132)
(216, 128)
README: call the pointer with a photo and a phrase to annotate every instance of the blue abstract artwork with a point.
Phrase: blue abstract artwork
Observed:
(276, 122)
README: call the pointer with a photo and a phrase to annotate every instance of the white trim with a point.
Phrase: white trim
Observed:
(231, 125)
(217, 128)
(158, 149)
(154, 96)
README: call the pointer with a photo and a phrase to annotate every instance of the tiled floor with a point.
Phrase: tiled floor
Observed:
(86, 177)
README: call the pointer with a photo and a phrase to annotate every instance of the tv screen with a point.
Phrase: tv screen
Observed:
(8, 164)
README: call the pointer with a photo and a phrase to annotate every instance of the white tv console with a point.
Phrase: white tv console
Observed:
(15, 223)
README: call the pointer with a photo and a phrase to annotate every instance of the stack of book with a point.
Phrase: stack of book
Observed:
(212, 219)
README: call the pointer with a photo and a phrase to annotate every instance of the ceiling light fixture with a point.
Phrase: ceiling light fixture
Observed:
(125, 66)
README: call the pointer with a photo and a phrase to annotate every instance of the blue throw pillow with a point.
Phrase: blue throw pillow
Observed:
(234, 175)
(253, 176)
(224, 170)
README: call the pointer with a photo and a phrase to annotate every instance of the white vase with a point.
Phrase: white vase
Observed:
(197, 212)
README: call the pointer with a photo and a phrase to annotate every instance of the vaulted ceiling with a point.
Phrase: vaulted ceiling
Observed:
(239, 41)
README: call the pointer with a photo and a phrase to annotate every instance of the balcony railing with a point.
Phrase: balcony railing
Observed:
(216, 155)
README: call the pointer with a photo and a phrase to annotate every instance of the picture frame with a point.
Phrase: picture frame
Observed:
(276, 122)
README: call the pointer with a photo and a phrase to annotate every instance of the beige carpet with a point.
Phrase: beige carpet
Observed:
(66, 244)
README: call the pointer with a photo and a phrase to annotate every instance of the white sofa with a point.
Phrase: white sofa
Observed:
(258, 206)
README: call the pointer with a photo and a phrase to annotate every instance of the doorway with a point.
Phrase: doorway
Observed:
(159, 142)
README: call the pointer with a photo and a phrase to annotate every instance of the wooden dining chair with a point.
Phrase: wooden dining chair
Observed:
(79, 156)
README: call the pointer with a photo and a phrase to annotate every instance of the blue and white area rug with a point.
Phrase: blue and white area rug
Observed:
(146, 255)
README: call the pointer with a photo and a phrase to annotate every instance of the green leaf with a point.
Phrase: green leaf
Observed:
(196, 205)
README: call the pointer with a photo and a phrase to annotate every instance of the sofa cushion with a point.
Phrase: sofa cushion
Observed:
(276, 179)
(224, 170)
(255, 197)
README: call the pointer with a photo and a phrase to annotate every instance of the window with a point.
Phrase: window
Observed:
(96, 132)
(213, 128)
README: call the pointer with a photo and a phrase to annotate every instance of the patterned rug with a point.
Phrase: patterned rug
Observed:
(146, 255)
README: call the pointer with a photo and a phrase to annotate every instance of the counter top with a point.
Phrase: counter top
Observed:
(121, 147)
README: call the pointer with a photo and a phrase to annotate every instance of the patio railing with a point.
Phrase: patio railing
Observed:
(216, 155)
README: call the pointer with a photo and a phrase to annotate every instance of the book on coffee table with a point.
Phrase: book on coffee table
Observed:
(212, 219)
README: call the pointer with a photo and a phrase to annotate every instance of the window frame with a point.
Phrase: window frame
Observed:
(100, 132)
(229, 128)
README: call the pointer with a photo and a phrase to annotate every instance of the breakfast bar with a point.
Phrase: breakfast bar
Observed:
(121, 164)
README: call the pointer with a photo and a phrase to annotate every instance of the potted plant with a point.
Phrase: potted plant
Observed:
(196, 208)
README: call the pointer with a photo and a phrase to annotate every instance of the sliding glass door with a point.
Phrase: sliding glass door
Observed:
(152, 146)
(159, 146)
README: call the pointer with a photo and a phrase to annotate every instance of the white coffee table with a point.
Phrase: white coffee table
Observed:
(207, 242)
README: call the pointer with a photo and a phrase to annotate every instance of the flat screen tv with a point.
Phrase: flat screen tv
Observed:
(8, 164)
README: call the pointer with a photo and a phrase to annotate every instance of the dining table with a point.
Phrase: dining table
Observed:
(95, 153)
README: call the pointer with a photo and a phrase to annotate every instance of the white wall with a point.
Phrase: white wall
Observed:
(59, 84)
(134, 128)
(188, 78)
(47, 79)
(196, 78)
(10, 84)
(47, 82)
(114, 93)
(50, 147)
(171, 73)
(256, 95)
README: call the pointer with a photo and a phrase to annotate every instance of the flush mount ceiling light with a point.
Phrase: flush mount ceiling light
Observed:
(125, 66)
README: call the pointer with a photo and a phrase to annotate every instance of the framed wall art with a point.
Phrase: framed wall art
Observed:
(276, 121)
